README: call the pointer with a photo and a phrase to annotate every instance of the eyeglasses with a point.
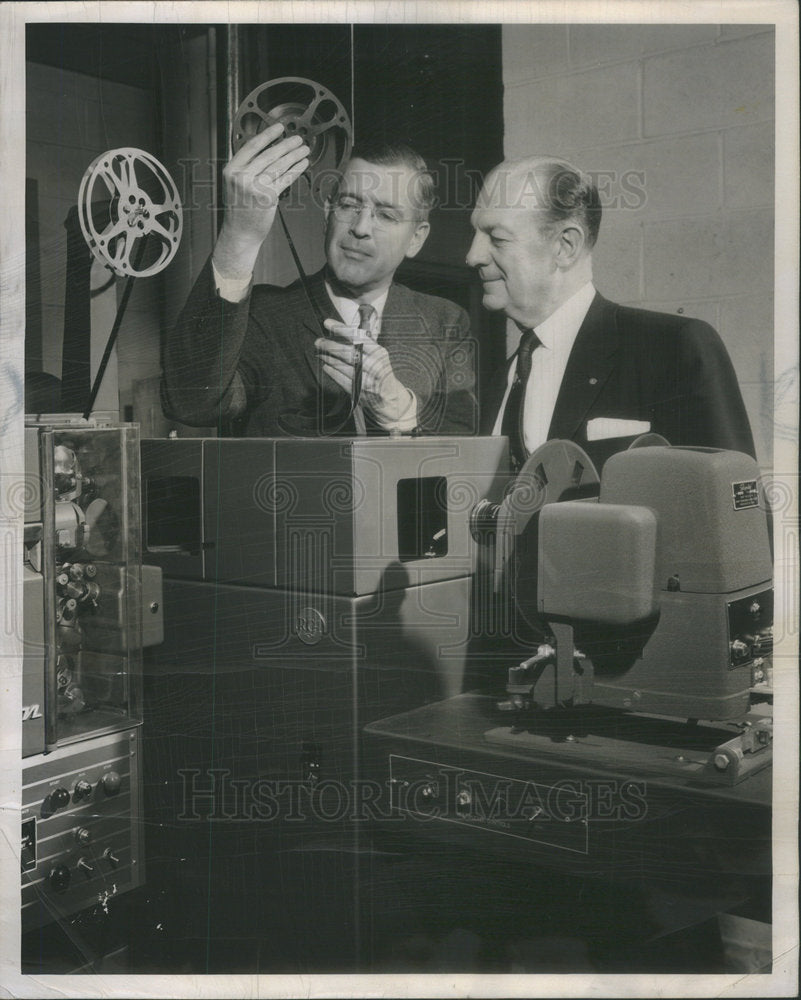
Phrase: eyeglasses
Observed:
(348, 210)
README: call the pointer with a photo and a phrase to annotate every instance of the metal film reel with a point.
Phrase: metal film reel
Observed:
(304, 108)
(556, 472)
(140, 203)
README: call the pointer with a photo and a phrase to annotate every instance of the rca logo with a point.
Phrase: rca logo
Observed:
(30, 712)
(309, 626)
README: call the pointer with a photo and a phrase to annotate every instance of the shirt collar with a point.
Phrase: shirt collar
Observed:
(560, 329)
(348, 308)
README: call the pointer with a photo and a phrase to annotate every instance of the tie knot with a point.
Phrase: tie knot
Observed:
(366, 313)
(528, 344)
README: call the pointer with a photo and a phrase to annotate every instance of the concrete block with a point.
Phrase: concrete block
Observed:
(531, 51)
(592, 44)
(564, 113)
(749, 165)
(711, 86)
(747, 329)
(617, 261)
(701, 258)
(758, 400)
(659, 178)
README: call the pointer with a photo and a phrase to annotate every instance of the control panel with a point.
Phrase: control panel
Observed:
(81, 827)
(551, 815)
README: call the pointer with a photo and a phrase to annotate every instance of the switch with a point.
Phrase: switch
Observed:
(83, 836)
(59, 798)
(28, 858)
(111, 857)
(59, 878)
(740, 650)
(111, 782)
(82, 790)
(85, 867)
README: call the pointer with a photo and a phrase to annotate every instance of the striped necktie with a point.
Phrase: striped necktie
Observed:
(366, 314)
(512, 425)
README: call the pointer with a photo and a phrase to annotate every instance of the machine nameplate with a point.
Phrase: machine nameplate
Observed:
(745, 494)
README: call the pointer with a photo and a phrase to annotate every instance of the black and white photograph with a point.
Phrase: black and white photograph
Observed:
(399, 430)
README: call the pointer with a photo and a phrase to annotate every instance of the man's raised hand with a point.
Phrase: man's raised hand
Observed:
(253, 180)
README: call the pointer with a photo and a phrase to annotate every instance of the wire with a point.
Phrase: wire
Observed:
(352, 83)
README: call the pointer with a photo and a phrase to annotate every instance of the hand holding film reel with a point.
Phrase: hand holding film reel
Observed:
(256, 176)
(284, 129)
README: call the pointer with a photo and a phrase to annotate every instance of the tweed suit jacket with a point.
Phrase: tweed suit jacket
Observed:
(633, 364)
(255, 360)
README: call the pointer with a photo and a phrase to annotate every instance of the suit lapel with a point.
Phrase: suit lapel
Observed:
(319, 296)
(591, 363)
(495, 392)
(406, 334)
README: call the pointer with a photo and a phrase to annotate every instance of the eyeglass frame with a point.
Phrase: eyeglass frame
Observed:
(356, 210)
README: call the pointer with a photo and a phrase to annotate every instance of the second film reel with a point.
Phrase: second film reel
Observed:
(304, 108)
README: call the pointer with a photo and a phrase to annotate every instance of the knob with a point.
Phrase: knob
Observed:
(84, 865)
(59, 878)
(463, 798)
(59, 798)
(82, 790)
(111, 857)
(111, 782)
(83, 836)
(429, 791)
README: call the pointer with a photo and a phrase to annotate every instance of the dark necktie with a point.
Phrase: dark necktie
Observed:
(512, 424)
(366, 313)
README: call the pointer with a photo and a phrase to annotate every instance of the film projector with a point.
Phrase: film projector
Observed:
(634, 736)
(90, 606)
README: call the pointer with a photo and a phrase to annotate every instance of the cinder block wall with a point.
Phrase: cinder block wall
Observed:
(678, 123)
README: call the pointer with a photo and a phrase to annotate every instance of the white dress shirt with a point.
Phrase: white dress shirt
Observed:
(556, 334)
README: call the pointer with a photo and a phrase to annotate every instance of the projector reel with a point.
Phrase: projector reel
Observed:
(140, 200)
(304, 108)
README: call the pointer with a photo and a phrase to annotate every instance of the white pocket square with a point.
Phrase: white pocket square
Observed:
(600, 428)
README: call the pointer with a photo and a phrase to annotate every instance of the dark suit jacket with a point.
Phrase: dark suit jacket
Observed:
(256, 360)
(634, 364)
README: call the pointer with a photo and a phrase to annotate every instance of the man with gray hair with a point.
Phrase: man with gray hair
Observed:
(587, 369)
(282, 361)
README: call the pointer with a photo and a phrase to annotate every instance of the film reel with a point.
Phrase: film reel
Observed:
(304, 108)
(555, 472)
(134, 226)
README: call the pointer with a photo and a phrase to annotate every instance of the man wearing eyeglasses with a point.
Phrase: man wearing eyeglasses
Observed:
(256, 357)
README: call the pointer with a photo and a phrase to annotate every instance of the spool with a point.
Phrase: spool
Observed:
(304, 108)
(140, 202)
(556, 472)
